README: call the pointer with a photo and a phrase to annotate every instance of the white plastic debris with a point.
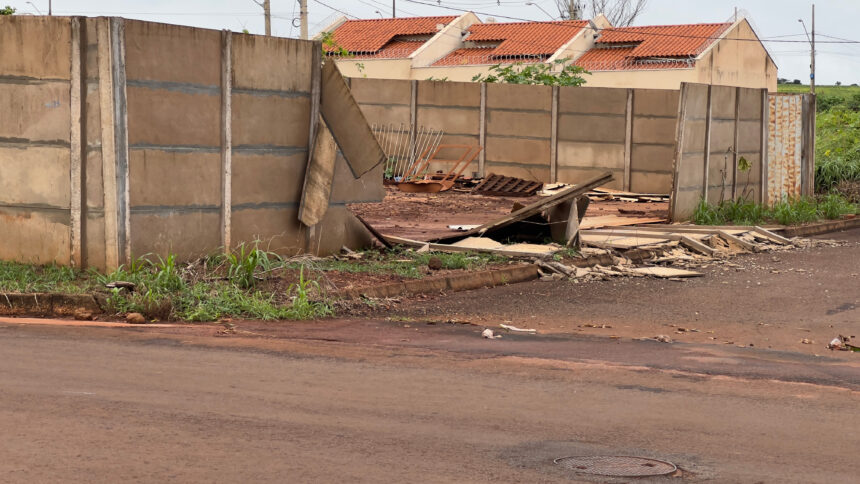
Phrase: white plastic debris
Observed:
(488, 333)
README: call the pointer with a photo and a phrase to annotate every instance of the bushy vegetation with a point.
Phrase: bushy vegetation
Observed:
(536, 73)
(837, 147)
(787, 212)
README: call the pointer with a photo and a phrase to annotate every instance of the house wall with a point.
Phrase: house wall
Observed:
(375, 68)
(742, 63)
(445, 41)
(121, 138)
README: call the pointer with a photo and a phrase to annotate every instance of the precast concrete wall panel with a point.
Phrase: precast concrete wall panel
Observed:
(121, 138)
(785, 146)
(518, 135)
(174, 137)
(383, 101)
(35, 189)
(652, 144)
(592, 127)
(271, 110)
(690, 153)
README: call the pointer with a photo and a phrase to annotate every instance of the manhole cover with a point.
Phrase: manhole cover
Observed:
(617, 466)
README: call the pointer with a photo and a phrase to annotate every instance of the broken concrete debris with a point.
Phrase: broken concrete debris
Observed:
(488, 334)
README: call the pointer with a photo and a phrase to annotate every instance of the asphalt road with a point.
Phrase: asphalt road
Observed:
(406, 399)
(110, 405)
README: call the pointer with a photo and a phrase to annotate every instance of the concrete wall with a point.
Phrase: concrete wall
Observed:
(541, 133)
(717, 127)
(35, 139)
(126, 138)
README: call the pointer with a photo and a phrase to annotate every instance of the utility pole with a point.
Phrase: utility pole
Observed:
(811, 39)
(393, 8)
(267, 13)
(303, 16)
(812, 76)
(50, 12)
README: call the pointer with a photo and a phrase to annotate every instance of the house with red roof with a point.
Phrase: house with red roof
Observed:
(458, 48)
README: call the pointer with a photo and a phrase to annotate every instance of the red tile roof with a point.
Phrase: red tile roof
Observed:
(654, 47)
(479, 56)
(526, 38)
(396, 49)
(522, 41)
(369, 36)
(665, 40)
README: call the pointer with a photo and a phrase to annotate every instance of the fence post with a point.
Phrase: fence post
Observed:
(735, 155)
(553, 143)
(628, 142)
(482, 131)
(226, 139)
(679, 151)
(114, 138)
(765, 125)
(707, 166)
(77, 146)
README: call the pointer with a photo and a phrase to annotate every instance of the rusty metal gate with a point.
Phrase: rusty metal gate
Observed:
(790, 147)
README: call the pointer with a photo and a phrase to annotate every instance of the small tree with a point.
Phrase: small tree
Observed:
(7, 10)
(540, 73)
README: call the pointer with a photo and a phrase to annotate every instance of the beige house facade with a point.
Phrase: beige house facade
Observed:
(651, 57)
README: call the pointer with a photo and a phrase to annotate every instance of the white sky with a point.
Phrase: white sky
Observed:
(774, 19)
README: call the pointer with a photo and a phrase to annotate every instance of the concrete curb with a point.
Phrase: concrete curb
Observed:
(47, 304)
(821, 228)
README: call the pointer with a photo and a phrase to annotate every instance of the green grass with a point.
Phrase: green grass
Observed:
(224, 285)
(407, 264)
(787, 212)
(16, 277)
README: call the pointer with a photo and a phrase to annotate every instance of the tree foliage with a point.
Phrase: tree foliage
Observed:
(539, 73)
(7, 10)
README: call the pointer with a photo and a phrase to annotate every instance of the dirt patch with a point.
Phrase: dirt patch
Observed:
(423, 216)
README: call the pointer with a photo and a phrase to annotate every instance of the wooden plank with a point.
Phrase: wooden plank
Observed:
(535, 208)
(516, 252)
(696, 229)
(621, 242)
(616, 221)
(771, 236)
(736, 240)
(665, 272)
(697, 246)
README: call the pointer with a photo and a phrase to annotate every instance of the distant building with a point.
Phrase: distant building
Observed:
(458, 48)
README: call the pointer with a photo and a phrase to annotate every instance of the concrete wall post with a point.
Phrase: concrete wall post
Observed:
(707, 158)
(553, 137)
(765, 125)
(77, 146)
(628, 141)
(735, 155)
(482, 131)
(226, 139)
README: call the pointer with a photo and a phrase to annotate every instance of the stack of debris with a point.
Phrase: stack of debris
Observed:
(506, 186)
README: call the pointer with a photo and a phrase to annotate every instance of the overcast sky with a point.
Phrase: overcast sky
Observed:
(773, 19)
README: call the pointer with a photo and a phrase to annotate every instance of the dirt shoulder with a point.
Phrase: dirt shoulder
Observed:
(767, 300)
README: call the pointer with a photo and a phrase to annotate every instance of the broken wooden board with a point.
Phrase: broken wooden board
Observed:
(535, 208)
(619, 241)
(617, 221)
(319, 176)
(506, 186)
(347, 123)
(503, 251)
(665, 272)
(478, 243)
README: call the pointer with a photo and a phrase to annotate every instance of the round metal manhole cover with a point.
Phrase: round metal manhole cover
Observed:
(617, 466)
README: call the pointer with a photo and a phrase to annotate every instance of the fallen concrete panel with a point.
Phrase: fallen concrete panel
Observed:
(347, 123)
(318, 178)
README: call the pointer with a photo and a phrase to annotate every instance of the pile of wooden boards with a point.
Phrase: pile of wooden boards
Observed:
(609, 194)
(704, 240)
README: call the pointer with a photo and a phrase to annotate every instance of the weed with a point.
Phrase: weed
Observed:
(833, 206)
(17, 277)
(303, 307)
(243, 264)
(791, 211)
